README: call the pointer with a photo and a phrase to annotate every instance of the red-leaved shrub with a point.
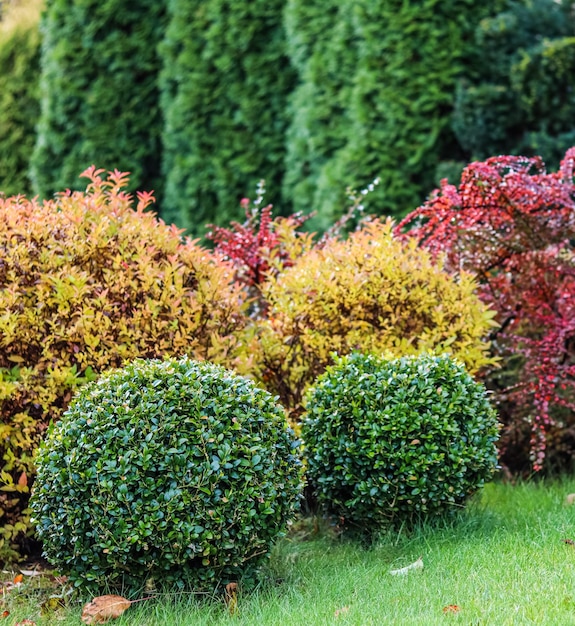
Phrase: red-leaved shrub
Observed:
(513, 225)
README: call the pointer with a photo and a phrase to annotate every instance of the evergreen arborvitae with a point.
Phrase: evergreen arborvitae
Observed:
(225, 85)
(321, 44)
(399, 64)
(19, 94)
(411, 56)
(100, 101)
(517, 97)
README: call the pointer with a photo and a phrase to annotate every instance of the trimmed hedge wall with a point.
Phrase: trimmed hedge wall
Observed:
(516, 95)
(99, 92)
(321, 45)
(19, 93)
(225, 85)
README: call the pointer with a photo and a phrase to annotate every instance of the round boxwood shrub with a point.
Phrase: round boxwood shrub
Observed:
(393, 440)
(177, 470)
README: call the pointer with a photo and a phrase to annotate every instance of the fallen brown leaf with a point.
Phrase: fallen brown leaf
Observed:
(570, 499)
(342, 611)
(26, 622)
(104, 608)
(451, 608)
(569, 542)
(5, 614)
(231, 598)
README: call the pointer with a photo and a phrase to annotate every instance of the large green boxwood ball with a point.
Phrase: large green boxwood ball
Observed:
(395, 440)
(174, 470)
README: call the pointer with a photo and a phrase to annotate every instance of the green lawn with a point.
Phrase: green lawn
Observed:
(503, 562)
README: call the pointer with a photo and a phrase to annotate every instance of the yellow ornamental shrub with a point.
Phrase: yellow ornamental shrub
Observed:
(88, 282)
(370, 293)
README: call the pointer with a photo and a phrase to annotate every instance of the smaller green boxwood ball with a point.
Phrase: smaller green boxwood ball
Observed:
(396, 440)
(177, 471)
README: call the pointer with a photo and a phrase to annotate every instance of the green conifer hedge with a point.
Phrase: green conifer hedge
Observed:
(321, 45)
(516, 97)
(100, 100)
(391, 89)
(19, 95)
(225, 85)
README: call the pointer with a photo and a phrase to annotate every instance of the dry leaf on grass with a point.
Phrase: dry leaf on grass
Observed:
(26, 622)
(4, 614)
(570, 499)
(104, 608)
(231, 598)
(451, 608)
(11, 584)
(408, 568)
(342, 611)
(31, 572)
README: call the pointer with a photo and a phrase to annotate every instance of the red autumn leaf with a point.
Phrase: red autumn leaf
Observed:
(251, 246)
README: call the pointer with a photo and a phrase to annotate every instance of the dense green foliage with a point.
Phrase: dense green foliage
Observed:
(225, 84)
(99, 94)
(395, 440)
(371, 293)
(87, 282)
(19, 94)
(516, 98)
(376, 97)
(176, 471)
(321, 45)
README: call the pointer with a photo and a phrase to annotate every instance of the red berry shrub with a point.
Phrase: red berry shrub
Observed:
(261, 245)
(513, 224)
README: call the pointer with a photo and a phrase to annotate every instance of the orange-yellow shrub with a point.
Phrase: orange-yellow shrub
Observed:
(370, 293)
(88, 282)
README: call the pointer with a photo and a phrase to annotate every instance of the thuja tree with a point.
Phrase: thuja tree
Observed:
(515, 96)
(411, 55)
(376, 97)
(225, 83)
(100, 101)
(513, 225)
(19, 93)
(321, 45)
